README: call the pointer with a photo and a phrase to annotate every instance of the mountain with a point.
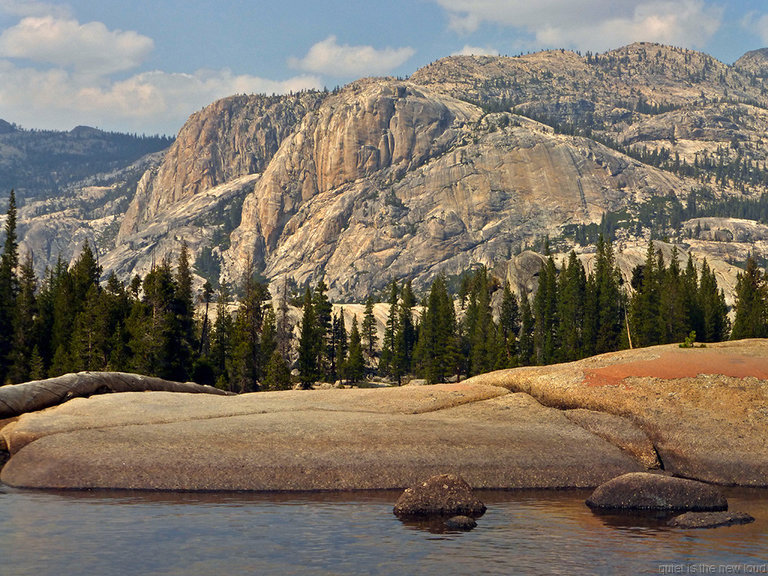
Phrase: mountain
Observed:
(470, 160)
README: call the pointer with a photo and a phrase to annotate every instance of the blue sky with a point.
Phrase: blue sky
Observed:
(144, 66)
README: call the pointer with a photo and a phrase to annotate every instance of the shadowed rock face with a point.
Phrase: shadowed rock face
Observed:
(642, 491)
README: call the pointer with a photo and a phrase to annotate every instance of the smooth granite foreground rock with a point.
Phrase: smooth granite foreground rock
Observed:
(710, 519)
(445, 495)
(643, 491)
(705, 410)
(388, 438)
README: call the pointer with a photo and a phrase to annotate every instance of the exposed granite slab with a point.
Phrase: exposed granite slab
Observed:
(308, 440)
(704, 409)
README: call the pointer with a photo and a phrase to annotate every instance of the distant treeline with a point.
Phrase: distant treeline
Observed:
(49, 161)
(71, 321)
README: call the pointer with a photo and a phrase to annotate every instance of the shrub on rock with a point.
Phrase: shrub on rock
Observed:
(444, 495)
(644, 491)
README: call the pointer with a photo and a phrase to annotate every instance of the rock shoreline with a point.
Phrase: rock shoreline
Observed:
(507, 430)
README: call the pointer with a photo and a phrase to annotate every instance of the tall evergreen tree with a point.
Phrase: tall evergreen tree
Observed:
(323, 324)
(527, 326)
(675, 326)
(221, 339)
(354, 366)
(545, 313)
(369, 332)
(572, 289)
(436, 351)
(308, 343)
(509, 324)
(8, 288)
(714, 311)
(405, 336)
(751, 309)
(607, 298)
(25, 333)
(386, 363)
(646, 304)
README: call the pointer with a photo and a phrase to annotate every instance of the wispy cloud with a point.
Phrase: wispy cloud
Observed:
(476, 51)
(57, 72)
(89, 48)
(342, 60)
(757, 24)
(592, 24)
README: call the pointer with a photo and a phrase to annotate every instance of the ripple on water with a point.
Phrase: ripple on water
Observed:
(45, 533)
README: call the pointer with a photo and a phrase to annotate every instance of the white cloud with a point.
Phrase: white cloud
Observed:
(148, 102)
(88, 48)
(757, 24)
(592, 24)
(329, 57)
(476, 51)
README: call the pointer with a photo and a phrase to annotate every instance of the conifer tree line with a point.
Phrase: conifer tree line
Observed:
(72, 320)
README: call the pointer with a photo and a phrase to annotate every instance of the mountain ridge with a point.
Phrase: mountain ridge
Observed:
(470, 160)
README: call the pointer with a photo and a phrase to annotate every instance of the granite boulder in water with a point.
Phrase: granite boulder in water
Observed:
(644, 491)
(710, 519)
(444, 495)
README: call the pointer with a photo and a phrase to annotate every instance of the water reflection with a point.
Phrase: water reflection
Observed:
(44, 533)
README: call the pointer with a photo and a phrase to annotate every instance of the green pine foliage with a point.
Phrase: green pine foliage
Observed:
(71, 320)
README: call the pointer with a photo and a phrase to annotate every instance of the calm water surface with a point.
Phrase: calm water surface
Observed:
(93, 533)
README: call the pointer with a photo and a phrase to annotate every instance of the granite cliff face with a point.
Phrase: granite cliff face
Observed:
(469, 161)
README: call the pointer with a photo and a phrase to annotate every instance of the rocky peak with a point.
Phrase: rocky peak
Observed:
(231, 138)
(381, 128)
(754, 62)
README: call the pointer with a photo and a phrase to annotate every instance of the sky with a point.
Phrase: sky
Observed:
(144, 66)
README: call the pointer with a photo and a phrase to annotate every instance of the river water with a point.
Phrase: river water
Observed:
(95, 533)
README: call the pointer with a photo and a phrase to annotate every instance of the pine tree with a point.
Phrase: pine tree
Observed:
(572, 289)
(646, 304)
(323, 312)
(675, 326)
(386, 363)
(369, 332)
(751, 309)
(8, 288)
(278, 374)
(608, 300)
(355, 366)
(436, 352)
(509, 325)
(184, 309)
(527, 326)
(221, 339)
(339, 344)
(308, 343)
(478, 327)
(545, 313)
(25, 332)
(715, 323)
(405, 336)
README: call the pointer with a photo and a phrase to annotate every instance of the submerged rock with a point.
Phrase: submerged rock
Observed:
(443, 495)
(460, 523)
(710, 519)
(644, 491)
